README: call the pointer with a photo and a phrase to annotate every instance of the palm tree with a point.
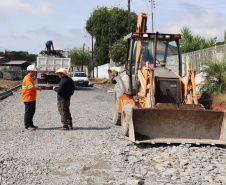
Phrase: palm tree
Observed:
(192, 43)
(187, 37)
(215, 78)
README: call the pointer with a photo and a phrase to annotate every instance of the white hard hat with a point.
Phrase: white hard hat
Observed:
(31, 68)
(62, 70)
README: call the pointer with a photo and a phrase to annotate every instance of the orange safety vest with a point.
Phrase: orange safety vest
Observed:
(28, 89)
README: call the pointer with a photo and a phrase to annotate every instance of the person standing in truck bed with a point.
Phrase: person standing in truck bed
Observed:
(49, 43)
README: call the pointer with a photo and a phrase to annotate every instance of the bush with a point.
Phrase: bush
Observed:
(215, 78)
(220, 98)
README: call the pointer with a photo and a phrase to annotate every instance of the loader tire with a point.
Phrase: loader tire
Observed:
(115, 105)
(125, 118)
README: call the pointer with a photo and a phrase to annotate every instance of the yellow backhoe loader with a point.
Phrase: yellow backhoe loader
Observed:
(151, 101)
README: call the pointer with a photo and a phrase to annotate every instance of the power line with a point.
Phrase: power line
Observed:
(188, 6)
(191, 4)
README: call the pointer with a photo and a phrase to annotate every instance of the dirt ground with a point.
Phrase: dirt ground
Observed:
(100, 82)
(8, 84)
(216, 106)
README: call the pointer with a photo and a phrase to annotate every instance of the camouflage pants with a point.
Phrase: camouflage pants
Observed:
(63, 108)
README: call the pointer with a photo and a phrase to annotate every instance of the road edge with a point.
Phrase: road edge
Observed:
(5, 94)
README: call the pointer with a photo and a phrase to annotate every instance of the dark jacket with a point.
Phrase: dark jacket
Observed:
(66, 88)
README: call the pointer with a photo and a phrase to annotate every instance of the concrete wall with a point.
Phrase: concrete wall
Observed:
(14, 75)
(102, 71)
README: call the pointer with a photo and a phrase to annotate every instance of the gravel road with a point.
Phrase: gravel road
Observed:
(95, 152)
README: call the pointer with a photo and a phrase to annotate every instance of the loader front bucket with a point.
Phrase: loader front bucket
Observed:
(154, 125)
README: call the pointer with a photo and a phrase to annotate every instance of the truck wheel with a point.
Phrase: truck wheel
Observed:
(125, 118)
(115, 105)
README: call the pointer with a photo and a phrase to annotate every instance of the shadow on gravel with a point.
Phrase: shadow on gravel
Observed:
(76, 88)
(91, 128)
(84, 88)
(158, 145)
(76, 128)
(53, 128)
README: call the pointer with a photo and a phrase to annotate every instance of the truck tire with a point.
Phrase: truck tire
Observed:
(125, 118)
(115, 105)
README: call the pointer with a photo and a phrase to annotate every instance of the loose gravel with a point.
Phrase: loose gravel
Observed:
(95, 152)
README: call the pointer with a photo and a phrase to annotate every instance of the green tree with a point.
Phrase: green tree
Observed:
(118, 52)
(108, 25)
(225, 36)
(219, 43)
(19, 55)
(192, 43)
(79, 57)
(215, 78)
(2, 54)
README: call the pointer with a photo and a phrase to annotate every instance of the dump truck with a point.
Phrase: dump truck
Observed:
(47, 66)
(151, 101)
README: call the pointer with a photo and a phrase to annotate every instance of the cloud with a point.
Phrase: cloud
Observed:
(18, 37)
(2, 17)
(204, 22)
(68, 38)
(44, 32)
(26, 8)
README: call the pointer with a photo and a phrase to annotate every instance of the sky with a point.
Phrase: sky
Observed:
(25, 25)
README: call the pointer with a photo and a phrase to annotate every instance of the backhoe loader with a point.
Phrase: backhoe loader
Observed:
(152, 103)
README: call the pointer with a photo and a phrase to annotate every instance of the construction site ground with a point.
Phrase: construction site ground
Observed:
(95, 152)
(8, 84)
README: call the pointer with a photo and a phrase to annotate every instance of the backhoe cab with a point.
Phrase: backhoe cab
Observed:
(165, 56)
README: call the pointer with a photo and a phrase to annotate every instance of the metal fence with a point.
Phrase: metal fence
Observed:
(200, 57)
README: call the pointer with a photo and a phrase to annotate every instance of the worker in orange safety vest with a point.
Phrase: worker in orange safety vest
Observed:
(29, 97)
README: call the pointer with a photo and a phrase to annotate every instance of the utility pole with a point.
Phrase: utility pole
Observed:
(129, 21)
(92, 54)
(152, 25)
(83, 55)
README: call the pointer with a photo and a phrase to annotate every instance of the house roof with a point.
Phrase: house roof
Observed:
(16, 63)
(2, 60)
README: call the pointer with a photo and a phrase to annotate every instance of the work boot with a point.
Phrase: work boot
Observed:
(64, 128)
(70, 127)
(35, 127)
(31, 128)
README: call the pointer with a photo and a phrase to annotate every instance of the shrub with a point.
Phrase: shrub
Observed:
(215, 78)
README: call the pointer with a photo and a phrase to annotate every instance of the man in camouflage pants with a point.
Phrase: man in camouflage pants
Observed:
(64, 92)
(63, 108)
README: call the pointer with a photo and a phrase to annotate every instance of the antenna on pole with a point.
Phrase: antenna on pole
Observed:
(152, 24)
(129, 22)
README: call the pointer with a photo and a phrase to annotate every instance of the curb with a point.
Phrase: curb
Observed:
(8, 93)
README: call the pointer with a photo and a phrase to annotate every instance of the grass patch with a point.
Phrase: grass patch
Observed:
(220, 98)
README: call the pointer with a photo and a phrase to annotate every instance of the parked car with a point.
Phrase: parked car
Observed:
(80, 79)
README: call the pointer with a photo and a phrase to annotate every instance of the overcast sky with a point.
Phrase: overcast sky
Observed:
(25, 25)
